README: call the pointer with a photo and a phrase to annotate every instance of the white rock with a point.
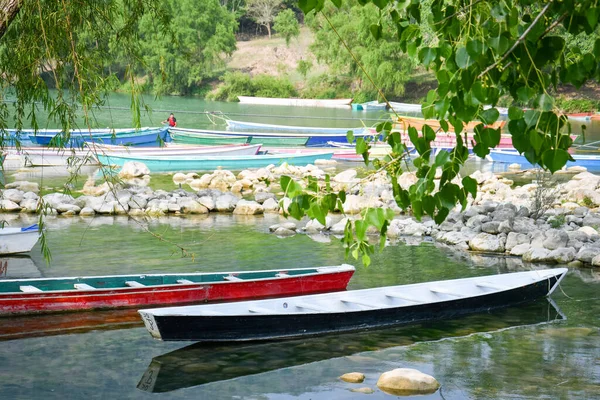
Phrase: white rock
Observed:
(9, 206)
(405, 381)
(24, 186)
(191, 206)
(537, 254)
(270, 206)
(87, 211)
(14, 195)
(245, 207)
(520, 249)
(563, 255)
(345, 176)
(487, 242)
(133, 169)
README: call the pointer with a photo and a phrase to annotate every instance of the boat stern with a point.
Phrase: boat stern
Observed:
(150, 324)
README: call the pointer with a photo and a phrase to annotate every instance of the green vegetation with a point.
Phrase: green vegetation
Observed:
(240, 84)
(287, 25)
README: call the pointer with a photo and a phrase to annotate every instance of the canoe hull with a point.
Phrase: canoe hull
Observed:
(273, 101)
(203, 136)
(256, 126)
(329, 279)
(173, 163)
(18, 242)
(246, 327)
(145, 137)
(591, 162)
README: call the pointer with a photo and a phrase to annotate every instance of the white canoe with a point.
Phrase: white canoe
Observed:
(348, 311)
(18, 240)
(274, 101)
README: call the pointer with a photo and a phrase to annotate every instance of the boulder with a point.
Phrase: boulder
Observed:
(9, 206)
(28, 205)
(65, 208)
(353, 377)
(563, 255)
(286, 225)
(261, 197)
(513, 239)
(55, 199)
(133, 169)
(190, 206)
(314, 226)
(587, 253)
(281, 231)
(270, 206)
(345, 176)
(407, 381)
(591, 219)
(520, 249)
(340, 226)
(87, 211)
(225, 202)
(13, 195)
(537, 254)
(245, 207)
(24, 186)
(555, 238)
(487, 242)
(491, 227)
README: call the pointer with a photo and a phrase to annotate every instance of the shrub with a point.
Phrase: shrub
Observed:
(239, 84)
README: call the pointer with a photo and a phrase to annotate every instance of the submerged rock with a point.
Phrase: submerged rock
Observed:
(407, 381)
(353, 377)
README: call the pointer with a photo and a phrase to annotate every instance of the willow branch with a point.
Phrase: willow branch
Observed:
(519, 41)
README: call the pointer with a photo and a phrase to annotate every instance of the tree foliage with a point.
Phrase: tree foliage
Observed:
(480, 52)
(263, 12)
(287, 25)
(381, 59)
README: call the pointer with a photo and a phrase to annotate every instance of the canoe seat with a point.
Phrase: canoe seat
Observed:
(29, 289)
(360, 303)
(185, 281)
(282, 275)
(309, 307)
(134, 284)
(260, 310)
(400, 297)
(490, 286)
(83, 286)
(442, 291)
(232, 278)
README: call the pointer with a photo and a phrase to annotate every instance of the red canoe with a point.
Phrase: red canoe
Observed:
(31, 296)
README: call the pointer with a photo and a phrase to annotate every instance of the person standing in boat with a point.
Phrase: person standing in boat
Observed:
(172, 121)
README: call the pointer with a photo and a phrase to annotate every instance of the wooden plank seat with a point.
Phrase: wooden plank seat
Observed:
(30, 289)
(232, 278)
(185, 281)
(134, 284)
(400, 297)
(360, 303)
(83, 286)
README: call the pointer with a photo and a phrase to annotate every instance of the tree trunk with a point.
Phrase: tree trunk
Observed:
(8, 12)
(269, 29)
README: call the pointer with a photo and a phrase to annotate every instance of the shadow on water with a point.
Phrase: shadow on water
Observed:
(204, 363)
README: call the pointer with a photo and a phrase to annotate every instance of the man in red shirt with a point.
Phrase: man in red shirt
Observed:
(172, 121)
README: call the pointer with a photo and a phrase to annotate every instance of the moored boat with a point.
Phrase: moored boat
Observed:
(227, 150)
(275, 101)
(589, 161)
(209, 163)
(53, 156)
(257, 126)
(77, 138)
(402, 123)
(214, 136)
(348, 311)
(18, 240)
(31, 296)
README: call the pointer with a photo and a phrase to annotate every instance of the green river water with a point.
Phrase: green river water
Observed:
(547, 350)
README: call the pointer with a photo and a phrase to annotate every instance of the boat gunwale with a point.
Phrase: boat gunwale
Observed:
(327, 270)
(209, 308)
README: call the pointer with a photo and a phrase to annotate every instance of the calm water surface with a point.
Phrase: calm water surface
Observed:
(542, 350)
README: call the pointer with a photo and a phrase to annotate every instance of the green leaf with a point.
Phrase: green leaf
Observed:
(555, 159)
(462, 58)
(442, 158)
(429, 205)
(441, 215)
(536, 140)
(376, 31)
(515, 113)
(489, 116)
(350, 137)
(307, 5)
(475, 48)
(337, 3)
(290, 187)
(380, 3)
(427, 55)
(470, 185)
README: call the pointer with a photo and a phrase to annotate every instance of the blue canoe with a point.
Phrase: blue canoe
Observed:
(591, 162)
(77, 138)
(205, 163)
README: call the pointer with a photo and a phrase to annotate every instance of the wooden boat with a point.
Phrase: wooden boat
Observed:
(374, 106)
(256, 126)
(213, 137)
(209, 163)
(228, 150)
(179, 369)
(18, 240)
(349, 311)
(589, 161)
(273, 101)
(53, 156)
(122, 137)
(404, 107)
(402, 123)
(42, 295)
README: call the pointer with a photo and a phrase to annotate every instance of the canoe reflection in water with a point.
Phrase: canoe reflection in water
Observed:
(203, 363)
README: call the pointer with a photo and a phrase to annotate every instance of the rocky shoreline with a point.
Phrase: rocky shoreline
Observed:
(536, 222)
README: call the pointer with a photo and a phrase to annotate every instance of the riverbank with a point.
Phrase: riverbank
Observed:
(538, 222)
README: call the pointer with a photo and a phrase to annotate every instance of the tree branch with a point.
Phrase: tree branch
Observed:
(8, 11)
(520, 40)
